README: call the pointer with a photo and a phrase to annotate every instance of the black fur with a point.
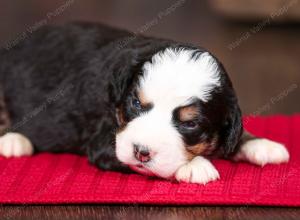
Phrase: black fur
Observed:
(63, 84)
(219, 120)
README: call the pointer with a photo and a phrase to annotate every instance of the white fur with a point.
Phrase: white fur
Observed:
(174, 76)
(199, 170)
(15, 145)
(262, 152)
(169, 81)
(155, 131)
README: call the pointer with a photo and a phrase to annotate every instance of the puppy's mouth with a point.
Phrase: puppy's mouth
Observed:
(140, 168)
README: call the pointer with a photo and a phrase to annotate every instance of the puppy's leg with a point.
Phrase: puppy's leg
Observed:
(11, 144)
(199, 170)
(261, 151)
(15, 145)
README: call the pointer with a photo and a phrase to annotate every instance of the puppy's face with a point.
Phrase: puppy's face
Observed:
(173, 112)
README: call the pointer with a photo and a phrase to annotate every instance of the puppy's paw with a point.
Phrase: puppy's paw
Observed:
(15, 145)
(199, 170)
(263, 151)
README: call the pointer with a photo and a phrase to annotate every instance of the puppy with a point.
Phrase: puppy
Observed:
(129, 102)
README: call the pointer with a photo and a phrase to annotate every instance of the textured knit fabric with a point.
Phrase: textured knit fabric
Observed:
(64, 178)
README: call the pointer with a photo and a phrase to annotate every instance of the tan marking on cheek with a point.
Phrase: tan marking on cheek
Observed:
(196, 150)
(188, 113)
(120, 118)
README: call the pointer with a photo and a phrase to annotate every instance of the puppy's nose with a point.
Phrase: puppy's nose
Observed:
(141, 153)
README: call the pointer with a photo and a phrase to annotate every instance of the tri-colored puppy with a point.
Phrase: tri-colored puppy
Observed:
(157, 106)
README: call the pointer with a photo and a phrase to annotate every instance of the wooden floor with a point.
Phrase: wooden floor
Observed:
(146, 212)
(262, 58)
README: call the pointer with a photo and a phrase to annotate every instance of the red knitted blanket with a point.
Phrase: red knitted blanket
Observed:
(64, 178)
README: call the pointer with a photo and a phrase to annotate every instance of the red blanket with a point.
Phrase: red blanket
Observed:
(55, 179)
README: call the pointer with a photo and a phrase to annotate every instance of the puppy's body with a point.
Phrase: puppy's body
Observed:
(57, 88)
(73, 88)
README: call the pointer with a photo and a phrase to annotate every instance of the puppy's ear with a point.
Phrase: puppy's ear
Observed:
(124, 72)
(232, 130)
(100, 148)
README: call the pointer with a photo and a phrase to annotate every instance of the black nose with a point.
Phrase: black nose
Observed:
(141, 153)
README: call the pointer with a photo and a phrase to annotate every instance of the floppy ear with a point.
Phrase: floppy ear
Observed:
(123, 74)
(100, 148)
(232, 131)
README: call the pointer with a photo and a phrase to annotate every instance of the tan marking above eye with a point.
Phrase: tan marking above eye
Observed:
(188, 113)
(142, 98)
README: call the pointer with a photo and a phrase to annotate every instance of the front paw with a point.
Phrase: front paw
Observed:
(199, 170)
(262, 152)
(15, 145)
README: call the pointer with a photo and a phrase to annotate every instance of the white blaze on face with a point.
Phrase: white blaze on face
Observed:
(169, 81)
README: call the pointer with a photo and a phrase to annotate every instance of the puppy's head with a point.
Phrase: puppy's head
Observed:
(181, 105)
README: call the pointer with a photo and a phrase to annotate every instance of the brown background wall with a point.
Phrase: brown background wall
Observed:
(261, 55)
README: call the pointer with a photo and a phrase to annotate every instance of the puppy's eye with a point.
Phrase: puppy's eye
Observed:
(190, 125)
(136, 103)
